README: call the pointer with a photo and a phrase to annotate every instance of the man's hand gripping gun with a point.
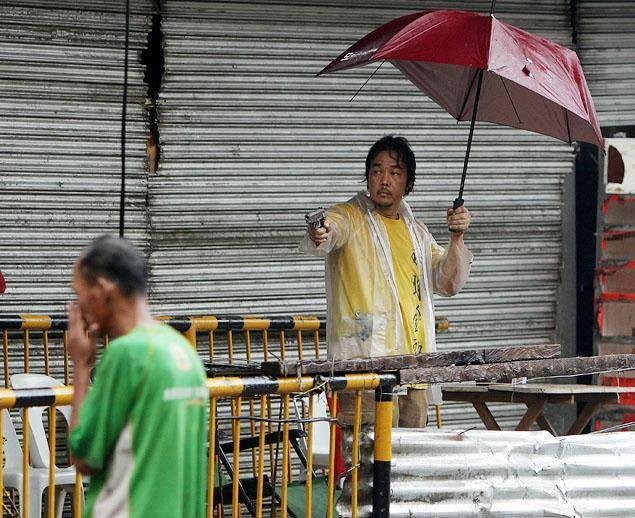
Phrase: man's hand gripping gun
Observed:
(316, 218)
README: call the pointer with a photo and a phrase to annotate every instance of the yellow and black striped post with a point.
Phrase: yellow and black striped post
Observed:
(382, 451)
(383, 385)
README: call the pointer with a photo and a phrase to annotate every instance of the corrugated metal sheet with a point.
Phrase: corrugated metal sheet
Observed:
(606, 44)
(251, 140)
(60, 109)
(509, 474)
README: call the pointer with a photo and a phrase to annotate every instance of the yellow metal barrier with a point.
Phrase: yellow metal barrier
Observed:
(226, 339)
(25, 399)
(283, 480)
(38, 343)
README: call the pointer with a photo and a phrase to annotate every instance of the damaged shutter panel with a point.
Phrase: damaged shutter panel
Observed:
(61, 100)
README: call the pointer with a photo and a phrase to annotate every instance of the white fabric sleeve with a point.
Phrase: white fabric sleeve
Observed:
(450, 268)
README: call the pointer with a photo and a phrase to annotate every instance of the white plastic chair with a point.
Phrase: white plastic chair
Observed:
(13, 475)
(12, 469)
(39, 447)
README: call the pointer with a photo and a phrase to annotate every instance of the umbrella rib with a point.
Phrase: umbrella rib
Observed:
(510, 100)
(566, 118)
(365, 82)
(467, 95)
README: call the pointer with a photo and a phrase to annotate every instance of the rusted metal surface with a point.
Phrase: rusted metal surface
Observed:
(516, 369)
(411, 361)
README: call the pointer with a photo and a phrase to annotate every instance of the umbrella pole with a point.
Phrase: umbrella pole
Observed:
(459, 201)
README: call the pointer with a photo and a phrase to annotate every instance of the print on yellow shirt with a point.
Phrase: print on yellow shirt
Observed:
(408, 283)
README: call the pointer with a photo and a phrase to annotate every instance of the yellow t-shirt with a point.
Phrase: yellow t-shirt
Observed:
(407, 278)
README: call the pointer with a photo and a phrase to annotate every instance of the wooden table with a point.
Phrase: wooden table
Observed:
(535, 396)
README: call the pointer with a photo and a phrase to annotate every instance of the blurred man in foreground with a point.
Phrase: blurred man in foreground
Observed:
(140, 431)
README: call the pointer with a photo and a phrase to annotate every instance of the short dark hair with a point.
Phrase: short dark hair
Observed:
(117, 260)
(401, 147)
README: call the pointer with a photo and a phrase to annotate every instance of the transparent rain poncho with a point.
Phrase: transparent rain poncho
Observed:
(363, 315)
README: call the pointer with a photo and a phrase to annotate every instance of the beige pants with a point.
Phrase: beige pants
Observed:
(408, 411)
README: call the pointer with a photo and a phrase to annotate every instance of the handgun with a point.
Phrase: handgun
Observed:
(316, 218)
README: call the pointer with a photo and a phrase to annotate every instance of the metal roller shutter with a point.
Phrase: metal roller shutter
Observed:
(606, 44)
(60, 129)
(251, 140)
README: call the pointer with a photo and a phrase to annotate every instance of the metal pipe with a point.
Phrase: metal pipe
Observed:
(52, 449)
(5, 343)
(261, 458)
(355, 455)
(77, 495)
(2, 460)
(46, 353)
(65, 343)
(308, 505)
(24, 503)
(212, 457)
(316, 340)
(283, 345)
(382, 452)
(26, 350)
(285, 456)
(300, 354)
(331, 474)
(236, 403)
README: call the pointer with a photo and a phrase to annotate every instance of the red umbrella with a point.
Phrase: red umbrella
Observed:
(3, 285)
(479, 68)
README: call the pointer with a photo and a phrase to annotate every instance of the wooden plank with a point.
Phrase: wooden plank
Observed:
(411, 361)
(560, 388)
(486, 415)
(465, 387)
(584, 417)
(533, 411)
(544, 424)
(516, 369)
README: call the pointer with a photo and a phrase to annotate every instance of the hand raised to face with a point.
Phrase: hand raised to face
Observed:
(81, 337)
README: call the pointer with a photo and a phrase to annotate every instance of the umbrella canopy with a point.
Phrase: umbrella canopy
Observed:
(479, 68)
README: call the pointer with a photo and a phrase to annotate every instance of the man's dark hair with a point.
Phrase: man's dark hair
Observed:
(399, 146)
(117, 260)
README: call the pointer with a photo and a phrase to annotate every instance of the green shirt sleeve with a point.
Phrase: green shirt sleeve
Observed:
(106, 408)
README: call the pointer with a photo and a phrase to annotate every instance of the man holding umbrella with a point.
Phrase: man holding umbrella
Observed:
(382, 269)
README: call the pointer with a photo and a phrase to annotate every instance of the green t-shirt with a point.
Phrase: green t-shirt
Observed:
(143, 428)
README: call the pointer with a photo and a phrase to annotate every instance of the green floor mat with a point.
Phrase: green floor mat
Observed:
(296, 492)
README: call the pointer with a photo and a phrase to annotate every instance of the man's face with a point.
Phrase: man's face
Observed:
(387, 181)
(92, 300)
